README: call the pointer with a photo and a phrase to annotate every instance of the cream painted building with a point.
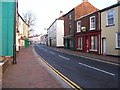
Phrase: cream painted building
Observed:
(56, 33)
(110, 34)
(22, 33)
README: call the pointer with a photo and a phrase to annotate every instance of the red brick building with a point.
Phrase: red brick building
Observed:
(69, 22)
(88, 33)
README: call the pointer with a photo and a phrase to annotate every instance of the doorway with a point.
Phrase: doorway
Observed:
(104, 46)
(87, 45)
(50, 42)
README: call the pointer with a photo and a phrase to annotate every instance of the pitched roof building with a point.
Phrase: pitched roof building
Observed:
(84, 8)
(69, 22)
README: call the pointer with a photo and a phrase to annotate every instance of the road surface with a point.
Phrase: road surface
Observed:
(84, 72)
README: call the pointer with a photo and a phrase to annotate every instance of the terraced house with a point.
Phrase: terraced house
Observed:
(69, 22)
(56, 32)
(88, 33)
(23, 35)
(110, 26)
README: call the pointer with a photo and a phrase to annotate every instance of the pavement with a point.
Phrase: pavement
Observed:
(104, 58)
(28, 73)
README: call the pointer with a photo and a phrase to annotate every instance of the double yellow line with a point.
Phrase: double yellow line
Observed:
(64, 78)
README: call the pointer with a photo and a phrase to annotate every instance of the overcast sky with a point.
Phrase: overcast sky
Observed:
(46, 11)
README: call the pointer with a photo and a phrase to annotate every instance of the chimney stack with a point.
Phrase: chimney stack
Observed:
(85, 0)
(61, 13)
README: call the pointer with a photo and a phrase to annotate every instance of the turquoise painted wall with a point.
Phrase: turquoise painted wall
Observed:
(6, 28)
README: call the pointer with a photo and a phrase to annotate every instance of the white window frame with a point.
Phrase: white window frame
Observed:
(80, 48)
(117, 40)
(78, 26)
(91, 23)
(110, 18)
(92, 44)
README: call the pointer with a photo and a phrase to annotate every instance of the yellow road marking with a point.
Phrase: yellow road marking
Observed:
(64, 78)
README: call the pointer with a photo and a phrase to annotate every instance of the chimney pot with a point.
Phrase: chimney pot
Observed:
(61, 13)
(85, 0)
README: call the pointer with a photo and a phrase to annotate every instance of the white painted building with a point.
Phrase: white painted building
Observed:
(43, 39)
(56, 33)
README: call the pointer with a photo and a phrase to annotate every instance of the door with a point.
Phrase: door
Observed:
(26, 43)
(87, 45)
(104, 46)
(50, 42)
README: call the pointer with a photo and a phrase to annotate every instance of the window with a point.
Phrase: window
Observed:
(69, 16)
(118, 40)
(71, 43)
(92, 23)
(70, 28)
(79, 26)
(110, 17)
(80, 43)
(94, 43)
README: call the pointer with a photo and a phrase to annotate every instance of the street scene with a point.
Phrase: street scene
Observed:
(72, 45)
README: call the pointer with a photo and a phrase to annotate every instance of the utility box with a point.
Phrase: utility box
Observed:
(7, 16)
(26, 43)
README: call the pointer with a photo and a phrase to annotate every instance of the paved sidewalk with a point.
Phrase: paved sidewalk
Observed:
(28, 73)
(89, 55)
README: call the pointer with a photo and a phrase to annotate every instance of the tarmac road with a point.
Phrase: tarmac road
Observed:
(84, 72)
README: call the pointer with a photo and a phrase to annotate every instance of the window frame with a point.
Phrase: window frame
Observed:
(94, 43)
(107, 19)
(81, 43)
(92, 28)
(78, 26)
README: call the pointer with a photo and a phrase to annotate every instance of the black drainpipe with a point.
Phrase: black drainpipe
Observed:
(14, 45)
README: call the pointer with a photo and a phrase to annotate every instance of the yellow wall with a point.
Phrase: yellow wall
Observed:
(109, 32)
(25, 30)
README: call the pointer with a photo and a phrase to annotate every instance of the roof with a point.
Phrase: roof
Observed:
(83, 9)
(60, 18)
(88, 14)
(68, 12)
(112, 6)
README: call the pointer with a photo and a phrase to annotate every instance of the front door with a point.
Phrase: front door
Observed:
(104, 46)
(50, 42)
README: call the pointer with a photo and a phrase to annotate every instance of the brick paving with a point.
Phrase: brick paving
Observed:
(28, 73)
